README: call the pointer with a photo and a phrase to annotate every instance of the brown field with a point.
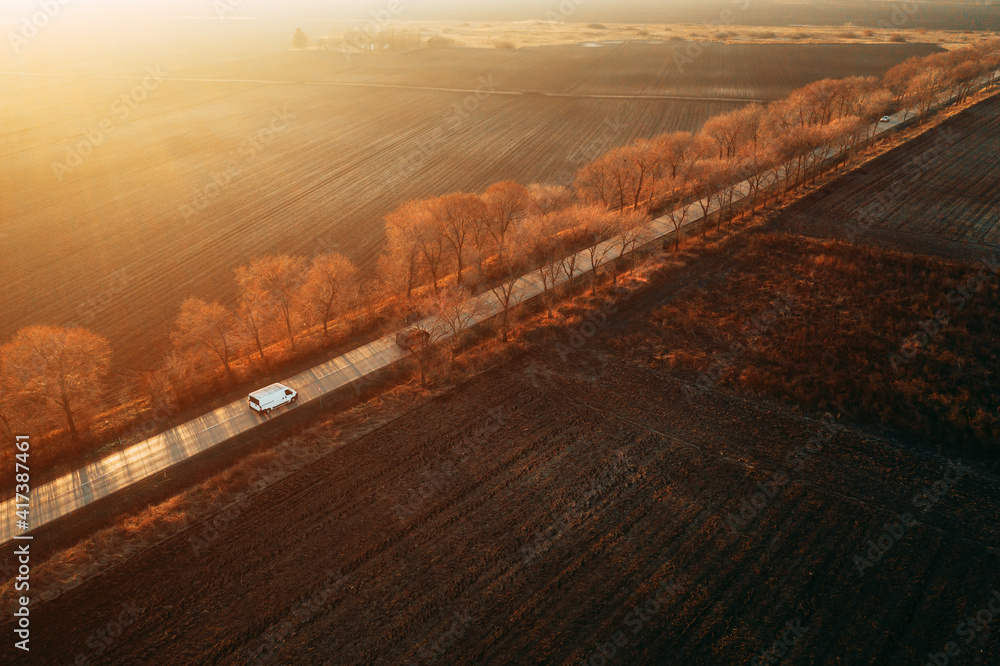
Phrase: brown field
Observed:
(942, 15)
(345, 155)
(544, 502)
(938, 194)
(846, 343)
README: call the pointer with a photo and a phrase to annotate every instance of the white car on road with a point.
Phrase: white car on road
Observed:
(272, 397)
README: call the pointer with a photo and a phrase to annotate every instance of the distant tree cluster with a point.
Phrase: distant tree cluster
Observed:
(300, 40)
(380, 40)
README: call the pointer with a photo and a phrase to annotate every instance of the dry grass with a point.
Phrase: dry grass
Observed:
(545, 33)
(834, 351)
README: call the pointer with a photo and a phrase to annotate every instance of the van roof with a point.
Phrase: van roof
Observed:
(265, 393)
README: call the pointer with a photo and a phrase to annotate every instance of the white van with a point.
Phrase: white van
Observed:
(272, 397)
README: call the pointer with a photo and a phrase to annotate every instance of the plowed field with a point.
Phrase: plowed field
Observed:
(107, 244)
(552, 510)
(938, 194)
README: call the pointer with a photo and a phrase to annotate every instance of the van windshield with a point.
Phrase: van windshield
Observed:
(254, 401)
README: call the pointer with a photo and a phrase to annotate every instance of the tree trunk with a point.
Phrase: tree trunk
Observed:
(73, 434)
(228, 367)
(288, 325)
(260, 347)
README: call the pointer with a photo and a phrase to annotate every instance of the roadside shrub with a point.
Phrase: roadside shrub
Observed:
(505, 45)
(597, 26)
(898, 38)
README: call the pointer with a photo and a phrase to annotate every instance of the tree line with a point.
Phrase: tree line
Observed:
(440, 250)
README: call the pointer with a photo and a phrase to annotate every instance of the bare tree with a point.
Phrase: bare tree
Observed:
(575, 229)
(629, 228)
(678, 208)
(550, 198)
(797, 147)
(898, 78)
(926, 86)
(455, 311)
(727, 131)
(255, 309)
(507, 204)
(732, 176)
(432, 243)
(623, 177)
(758, 167)
(206, 326)
(332, 281)
(546, 248)
(857, 92)
(17, 412)
(707, 180)
(461, 216)
(843, 134)
(964, 77)
(402, 246)
(679, 151)
(871, 109)
(596, 183)
(503, 273)
(62, 369)
(281, 277)
(812, 104)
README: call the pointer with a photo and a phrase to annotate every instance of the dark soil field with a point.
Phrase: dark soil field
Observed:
(938, 194)
(543, 513)
(197, 177)
(594, 500)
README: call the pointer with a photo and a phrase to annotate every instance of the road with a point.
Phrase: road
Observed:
(119, 470)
